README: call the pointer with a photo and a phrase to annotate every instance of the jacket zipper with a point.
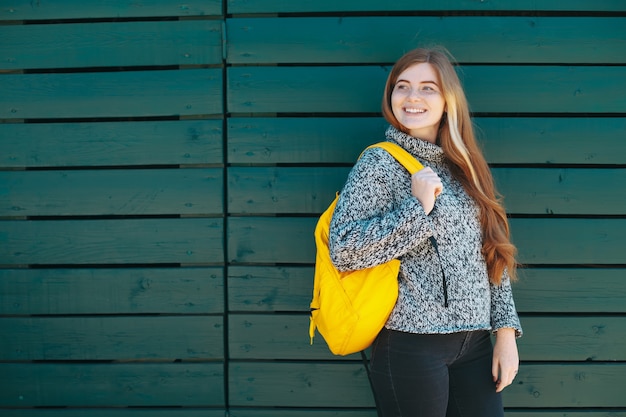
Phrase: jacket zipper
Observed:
(444, 283)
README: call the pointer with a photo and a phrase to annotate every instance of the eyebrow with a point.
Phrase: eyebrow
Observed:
(421, 82)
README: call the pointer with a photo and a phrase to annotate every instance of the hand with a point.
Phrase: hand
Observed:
(505, 359)
(426, 186)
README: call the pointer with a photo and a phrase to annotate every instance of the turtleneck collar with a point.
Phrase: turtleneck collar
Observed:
(419, 147)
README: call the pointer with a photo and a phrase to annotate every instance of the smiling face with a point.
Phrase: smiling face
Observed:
(417, 101)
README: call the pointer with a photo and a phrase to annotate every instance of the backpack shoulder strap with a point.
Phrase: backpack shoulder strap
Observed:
(406, 159)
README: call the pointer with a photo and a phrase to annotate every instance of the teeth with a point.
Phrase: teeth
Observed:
(415, 110)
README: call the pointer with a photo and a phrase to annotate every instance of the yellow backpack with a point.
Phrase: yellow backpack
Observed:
(350, 308)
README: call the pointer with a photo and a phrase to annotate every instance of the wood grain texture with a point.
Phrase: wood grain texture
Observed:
(276, 337)
(364, 412)
(271, 240)
(558, 191)
(129, 241)
(283, 190)
(564, 140)
(111, 44)
(120, 338)
(527, 140)
(470, 39)
(111, 385)
(76, 9)
(252, 412)
(84, 291)
(566, 191)
(499, 89)
(180, 142)
(111, 94)
(538, 290)
(254, 384)
(571, 290)
(310, 6)
(345, 385)
(541, 241)
(192, 192)
(546, 338)
(120, 412)
(269, 288)
(569, 241)
(573, 338)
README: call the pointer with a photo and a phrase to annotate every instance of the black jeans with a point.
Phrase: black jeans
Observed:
(434, 375)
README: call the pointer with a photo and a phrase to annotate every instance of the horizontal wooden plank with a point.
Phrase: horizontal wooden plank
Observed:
(342, 412)
(566, 413)
(546, 338)
(196, 191)
(499, 89)
(112, 338)
(271, 240)
(111, 385)
(304, 6)
(552, 140)
(300, 139)
(283, 190)
(112, 291)
(568, 385)
(129, 241)
(504, 140)
(111, 94)
(111, 44)
(571, 290)
(275, 336)
(561, 191)
(573, 338)
(345, 385)
(569, 241)
(269, 288)
(271, 412)
(75, 9)
(120, 412)
(540, 241)
(180, 142)
(307, 412)
(475, 39)
(538, 290)
(526, 190)
(285, 384)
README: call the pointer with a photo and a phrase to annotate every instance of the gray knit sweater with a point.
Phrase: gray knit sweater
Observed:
(377, 219)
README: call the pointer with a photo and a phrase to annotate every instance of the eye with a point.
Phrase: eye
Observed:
(428, 89)
(402, 86)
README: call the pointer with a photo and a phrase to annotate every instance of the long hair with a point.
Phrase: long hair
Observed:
(467, 163)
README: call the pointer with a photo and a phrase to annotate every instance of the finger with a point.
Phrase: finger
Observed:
(502, 384)
(495, 369)
(505, 380)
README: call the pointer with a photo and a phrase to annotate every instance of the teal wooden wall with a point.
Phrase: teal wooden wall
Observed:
(162, 166)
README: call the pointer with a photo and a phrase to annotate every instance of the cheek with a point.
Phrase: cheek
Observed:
(438, 106)
(396, 104)
(442, 104)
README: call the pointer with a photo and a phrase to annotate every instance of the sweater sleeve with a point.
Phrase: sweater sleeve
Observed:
(376, 219)
(503, 312)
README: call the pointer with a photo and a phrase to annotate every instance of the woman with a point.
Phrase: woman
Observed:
(434, 358)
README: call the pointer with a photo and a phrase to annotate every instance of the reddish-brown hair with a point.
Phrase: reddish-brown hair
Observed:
(456, 138)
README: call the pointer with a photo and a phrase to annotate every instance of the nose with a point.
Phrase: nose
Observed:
(415, 94)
